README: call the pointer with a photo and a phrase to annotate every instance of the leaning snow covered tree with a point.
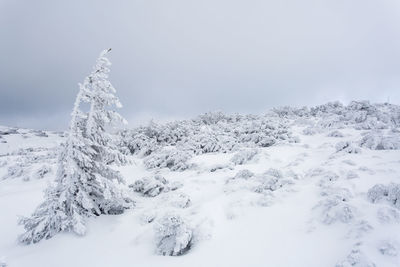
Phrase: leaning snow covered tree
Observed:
(85, 184)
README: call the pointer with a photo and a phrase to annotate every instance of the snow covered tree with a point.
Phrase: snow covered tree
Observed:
(84, 182)
(102, 97)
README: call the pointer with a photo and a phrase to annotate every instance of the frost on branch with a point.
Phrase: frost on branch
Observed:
(173, 236)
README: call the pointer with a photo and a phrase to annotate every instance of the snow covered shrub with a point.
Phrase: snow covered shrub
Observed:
(378, 141)
(335, 206)
(330, 108)
(361, 114)
(169, 157)
(150, 186)
(244, 156)
(84, 182)
(207, 141)
(40, 133)
(390, 193)
(334, 209)
(14, 171)
(8, 131)
(356, 258)
(335, 133)
(290, 112)
(173, 236)
(243, 174)
(388, 248)
(208, 133)
(274, 173)
(271, 180)
(347, 147)
(220, 166)
(42, 171)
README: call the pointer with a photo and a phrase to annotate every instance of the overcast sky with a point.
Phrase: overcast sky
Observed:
(179, 58)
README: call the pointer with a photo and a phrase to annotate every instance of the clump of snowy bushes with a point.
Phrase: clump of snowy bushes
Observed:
(380, 141)
(361, 114)
(244, 156)
(173, 235)
(153, 186)
(389, 193)
(169, 157)
(335, 133)
(219, 132)
(171, 145)
(150, 186)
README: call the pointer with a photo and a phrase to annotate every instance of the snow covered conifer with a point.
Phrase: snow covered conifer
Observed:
(84, 183)
(102, 97)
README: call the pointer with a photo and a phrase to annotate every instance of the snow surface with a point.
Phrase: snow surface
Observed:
(306, 203)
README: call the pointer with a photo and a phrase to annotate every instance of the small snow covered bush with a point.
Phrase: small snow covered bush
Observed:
(390, 193)
(171, 158)
(243, 174)
(388, 248)
(150, 186)
(347, 147)
(335, 134)
(356, 258)
(335, 206)
(244, 156)
(42, 171)
(173, 236)
(14, 171)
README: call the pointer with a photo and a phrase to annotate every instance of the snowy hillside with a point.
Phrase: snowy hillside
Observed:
(293, 187)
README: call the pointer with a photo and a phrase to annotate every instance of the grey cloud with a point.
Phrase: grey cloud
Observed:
(182, 57)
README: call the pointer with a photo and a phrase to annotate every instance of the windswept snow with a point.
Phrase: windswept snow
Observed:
(294, 187)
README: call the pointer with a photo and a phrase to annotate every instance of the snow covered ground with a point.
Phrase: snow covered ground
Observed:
(306, 203)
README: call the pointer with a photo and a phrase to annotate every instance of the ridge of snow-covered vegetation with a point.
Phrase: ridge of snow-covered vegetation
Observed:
(305, 186)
